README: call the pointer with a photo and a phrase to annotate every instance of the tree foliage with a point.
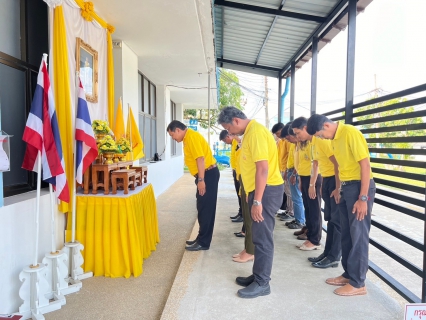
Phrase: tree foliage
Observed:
(230, 94)
(392, 123)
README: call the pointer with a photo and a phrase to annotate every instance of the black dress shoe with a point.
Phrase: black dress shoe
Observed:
(254, 290)
(196, 247)
(325, 263)
(238, 219)
(316, 259)
(191, 242)
(245, 281)
(239, 234)
(235, 217)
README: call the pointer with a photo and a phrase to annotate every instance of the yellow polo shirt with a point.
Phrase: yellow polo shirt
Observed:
(322, 151)
(283, 149)
(258, 145)
(290, 160)
(349, 147)
(237, 163)
(195, 146)
(305, 159)
(232, 161)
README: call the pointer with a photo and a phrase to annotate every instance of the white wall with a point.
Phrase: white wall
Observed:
(17, 233)
(163, 174)
(126, 79)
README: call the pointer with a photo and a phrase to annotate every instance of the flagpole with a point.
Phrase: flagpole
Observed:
(37, 215)
(52, 205)
(77, 85)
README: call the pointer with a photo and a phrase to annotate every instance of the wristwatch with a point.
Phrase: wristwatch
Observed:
(200, 179)
(256, 203)
(311, 185)
(363, 198)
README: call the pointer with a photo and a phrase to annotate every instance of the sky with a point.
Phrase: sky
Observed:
(390, 55)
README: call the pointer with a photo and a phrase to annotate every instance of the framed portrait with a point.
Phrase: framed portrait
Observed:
(87, 65)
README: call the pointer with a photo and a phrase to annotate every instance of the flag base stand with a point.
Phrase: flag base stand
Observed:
(75, 260)
(33, 292)
(57, 272)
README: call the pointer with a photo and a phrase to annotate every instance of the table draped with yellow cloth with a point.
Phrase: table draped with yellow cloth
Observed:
(117, 231)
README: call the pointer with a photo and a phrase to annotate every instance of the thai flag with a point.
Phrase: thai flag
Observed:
(42, 134)
(86, 148)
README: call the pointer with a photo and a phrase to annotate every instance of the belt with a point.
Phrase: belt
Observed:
(344, 183)
(207, 169)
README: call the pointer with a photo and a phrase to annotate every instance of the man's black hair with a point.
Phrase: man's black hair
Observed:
(175, 124)
(284, 131)
(223, 134)
(277, 127)
(316, 123)
(299, 123)
(229, 113)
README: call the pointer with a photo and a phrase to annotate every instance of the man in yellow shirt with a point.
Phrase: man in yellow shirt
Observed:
(356, 202)
(286, 210)
(233, 141)
(310, 185)
(323, 158)
(264, 186)
(292, 183)
(202, 165)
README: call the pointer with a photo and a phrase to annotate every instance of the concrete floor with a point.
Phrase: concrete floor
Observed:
(205, 285)
(143, 297)
(201, 285)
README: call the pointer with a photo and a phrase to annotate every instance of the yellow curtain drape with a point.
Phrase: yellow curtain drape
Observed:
(91, 15)
(117, 232)
(61, 86)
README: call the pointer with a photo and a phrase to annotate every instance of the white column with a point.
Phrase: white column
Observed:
(163, 120)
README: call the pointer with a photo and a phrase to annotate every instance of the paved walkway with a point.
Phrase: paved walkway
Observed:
(201, 285)
(205, 285)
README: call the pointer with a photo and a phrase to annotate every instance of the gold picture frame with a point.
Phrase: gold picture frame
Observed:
(87, 66)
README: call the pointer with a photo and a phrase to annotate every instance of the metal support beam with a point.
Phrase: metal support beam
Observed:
(273, 12)
(244, 64)
(292, 89)
(336, 11)
(269, 32)
(280, 89)
(350, 62)
(314, 76)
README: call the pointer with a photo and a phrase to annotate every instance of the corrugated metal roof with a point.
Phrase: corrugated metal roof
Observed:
(264, 36)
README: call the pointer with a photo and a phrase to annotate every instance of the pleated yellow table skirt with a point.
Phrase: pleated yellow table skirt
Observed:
(117, 231)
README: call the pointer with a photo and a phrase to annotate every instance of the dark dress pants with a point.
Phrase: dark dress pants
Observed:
(237, 190)
(355, 234)
(333, 243)
(206, 207)
(312, 209)
(263, 232)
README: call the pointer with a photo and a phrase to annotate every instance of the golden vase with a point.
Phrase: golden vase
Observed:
(108, 157)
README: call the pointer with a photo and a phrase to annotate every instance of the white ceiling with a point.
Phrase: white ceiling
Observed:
(174, 41)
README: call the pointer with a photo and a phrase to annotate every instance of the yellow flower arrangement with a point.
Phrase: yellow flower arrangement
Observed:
(100, 126)
(107, 144)
(124, 145)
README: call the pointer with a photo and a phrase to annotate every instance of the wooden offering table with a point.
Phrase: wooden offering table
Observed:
(128, 177)
(104, 170)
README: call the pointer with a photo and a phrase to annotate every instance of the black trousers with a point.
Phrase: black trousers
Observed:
(312, 209)
(206, 207)
(284, 204)
(263, 233)
(355, 234)
(237, 190)
(333, 243)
